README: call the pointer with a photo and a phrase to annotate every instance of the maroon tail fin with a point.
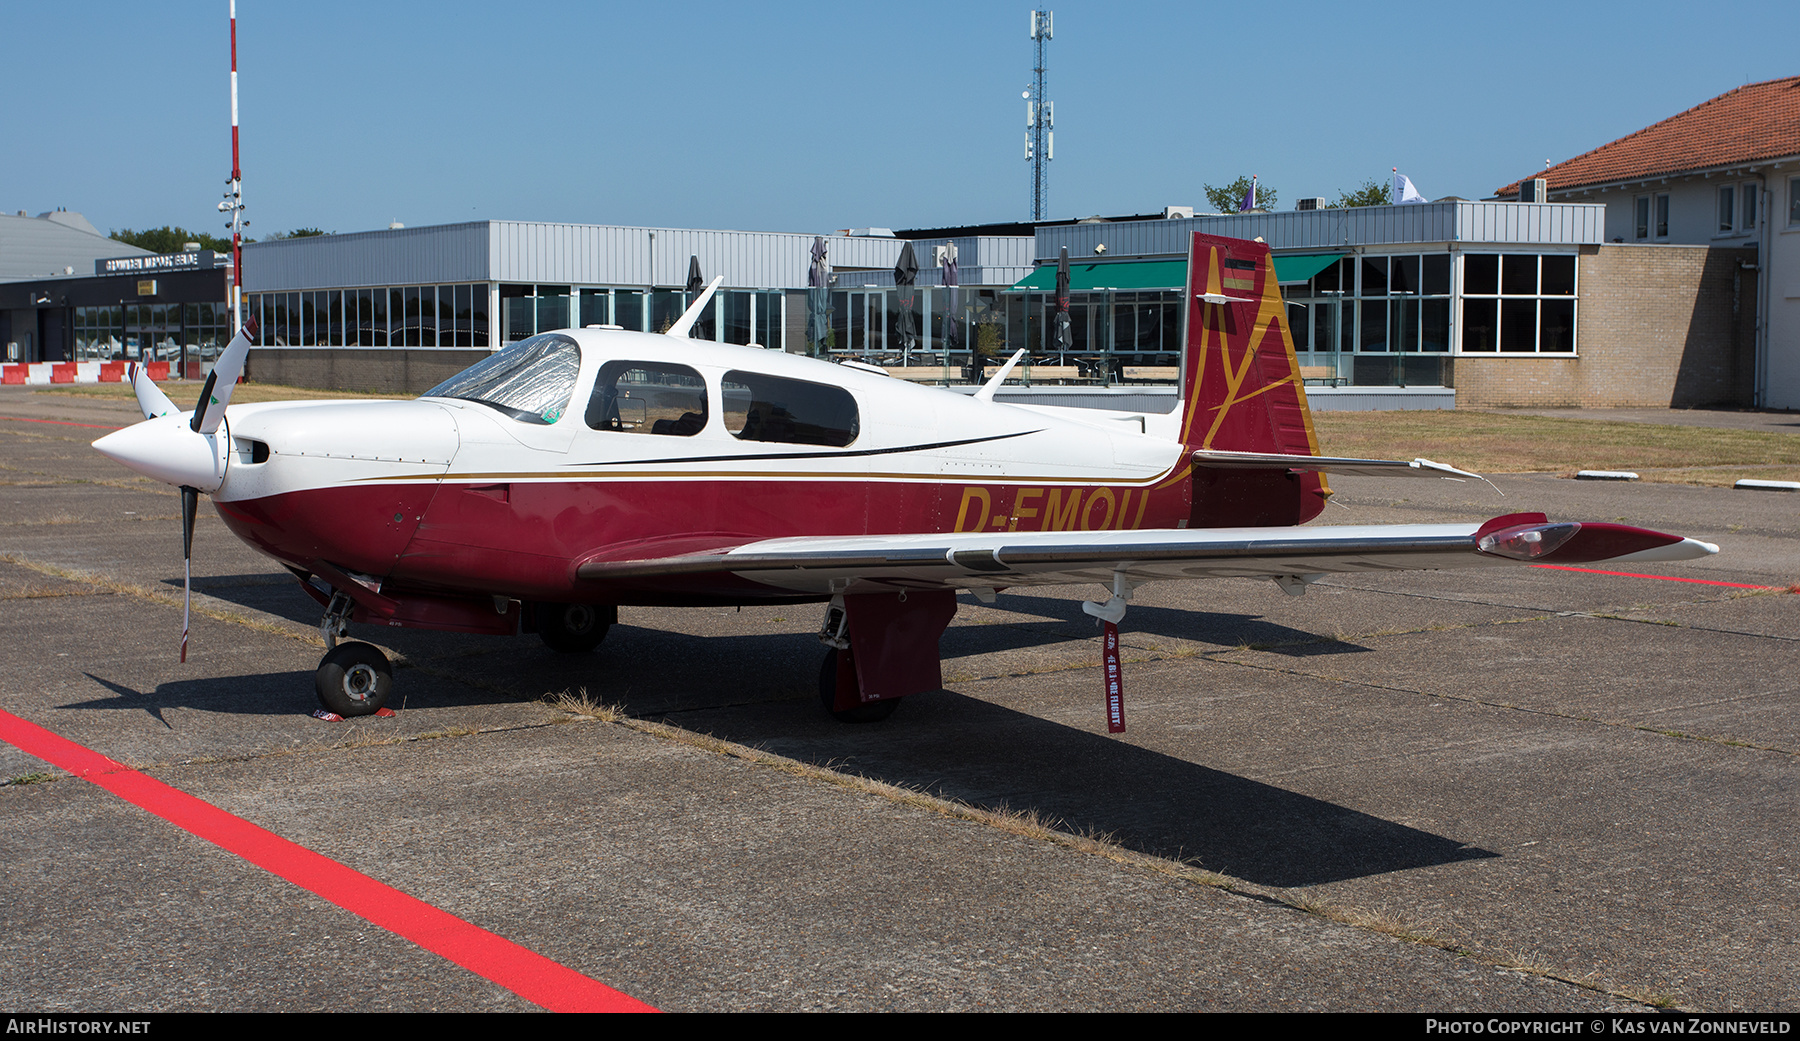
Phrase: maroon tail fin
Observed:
(1241, 389)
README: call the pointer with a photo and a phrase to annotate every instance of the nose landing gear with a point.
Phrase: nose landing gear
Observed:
(354, 679)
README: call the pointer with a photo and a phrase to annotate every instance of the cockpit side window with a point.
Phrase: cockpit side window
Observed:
(759, 407)
(531, 381)
(644, 397)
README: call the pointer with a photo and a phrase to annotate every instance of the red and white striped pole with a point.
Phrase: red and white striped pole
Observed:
(237, 193)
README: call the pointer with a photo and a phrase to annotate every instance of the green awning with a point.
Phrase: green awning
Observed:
(1122, 275)
(1289, 270)
(1126, 275)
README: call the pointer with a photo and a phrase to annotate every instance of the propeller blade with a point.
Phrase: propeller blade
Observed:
(151, 400)
(216, 394)
(190, 502)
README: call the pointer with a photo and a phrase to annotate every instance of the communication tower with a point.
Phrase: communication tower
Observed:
(1040, 116)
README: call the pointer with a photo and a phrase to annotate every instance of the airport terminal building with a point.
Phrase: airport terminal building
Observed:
(1507, 303)
(1498, 302)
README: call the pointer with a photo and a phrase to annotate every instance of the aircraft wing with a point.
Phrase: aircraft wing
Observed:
(828, 564)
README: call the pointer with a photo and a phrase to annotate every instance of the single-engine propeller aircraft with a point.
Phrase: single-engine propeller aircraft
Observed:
(577, 471)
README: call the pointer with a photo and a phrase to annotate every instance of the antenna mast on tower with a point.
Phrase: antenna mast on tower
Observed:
(233, 203)
(1040, 116)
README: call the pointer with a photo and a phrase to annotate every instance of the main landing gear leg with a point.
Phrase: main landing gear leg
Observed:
(354, 679)
(838, 673)
(883, 647)
(574, 628)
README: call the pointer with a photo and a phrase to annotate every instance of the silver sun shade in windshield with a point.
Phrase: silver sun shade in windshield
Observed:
(531, 381)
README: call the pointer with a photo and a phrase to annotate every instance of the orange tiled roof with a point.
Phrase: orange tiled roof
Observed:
(1757, 121)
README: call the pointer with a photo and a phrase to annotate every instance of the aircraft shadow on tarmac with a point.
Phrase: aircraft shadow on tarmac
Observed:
(262, 694)
(1043, 620)
(759, 690)
(986, 755)
(1058, 619)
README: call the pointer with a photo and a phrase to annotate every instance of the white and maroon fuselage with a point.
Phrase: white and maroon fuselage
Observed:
(459, 497)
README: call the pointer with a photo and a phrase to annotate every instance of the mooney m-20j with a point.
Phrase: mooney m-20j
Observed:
(575, 472)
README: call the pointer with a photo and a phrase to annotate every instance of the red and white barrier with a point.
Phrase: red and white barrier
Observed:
(43, 373)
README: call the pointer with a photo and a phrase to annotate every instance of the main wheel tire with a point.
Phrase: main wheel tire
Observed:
(868, 712)
(354, 680)
(574, 628)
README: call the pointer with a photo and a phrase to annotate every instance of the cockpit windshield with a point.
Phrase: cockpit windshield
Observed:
(531, 381)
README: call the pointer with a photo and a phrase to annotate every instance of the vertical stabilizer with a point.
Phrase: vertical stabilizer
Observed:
(1241, 389)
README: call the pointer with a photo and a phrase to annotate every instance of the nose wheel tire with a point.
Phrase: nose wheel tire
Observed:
(867, 712)
(354, 680)
(574, 628)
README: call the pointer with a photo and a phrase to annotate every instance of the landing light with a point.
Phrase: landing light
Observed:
(1527, 541)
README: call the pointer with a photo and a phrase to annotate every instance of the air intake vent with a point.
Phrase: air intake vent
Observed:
(1315, 203)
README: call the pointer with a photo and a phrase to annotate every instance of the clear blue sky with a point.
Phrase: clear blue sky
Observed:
(810, 117)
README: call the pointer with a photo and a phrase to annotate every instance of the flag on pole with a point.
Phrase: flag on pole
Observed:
(1404, 191)
(1249, 202)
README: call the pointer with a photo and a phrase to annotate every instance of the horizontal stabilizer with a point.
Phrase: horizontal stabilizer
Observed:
(1330, 464)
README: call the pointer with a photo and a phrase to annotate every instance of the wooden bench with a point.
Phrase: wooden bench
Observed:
(924, 373)
(937, 373)
(1321, 376)
(1045, 373)
(1165, 373)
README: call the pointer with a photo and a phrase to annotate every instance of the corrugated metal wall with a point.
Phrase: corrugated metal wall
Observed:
(612, 255)
(593, 254)
(982, 260)
(1420, 223)
(402, 256)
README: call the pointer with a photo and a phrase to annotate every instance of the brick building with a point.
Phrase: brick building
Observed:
(1722, 180)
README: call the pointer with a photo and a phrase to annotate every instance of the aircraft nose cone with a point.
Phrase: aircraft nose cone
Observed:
(167, 449)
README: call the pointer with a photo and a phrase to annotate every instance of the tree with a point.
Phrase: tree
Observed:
(1372, 193)
(299, 233)
(1230, 197)
(170, 239)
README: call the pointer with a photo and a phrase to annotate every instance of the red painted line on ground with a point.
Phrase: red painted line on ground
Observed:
(530, 975)
(1663, 578)
(60, 423)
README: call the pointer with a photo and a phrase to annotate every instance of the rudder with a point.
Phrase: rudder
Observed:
(1241, 388)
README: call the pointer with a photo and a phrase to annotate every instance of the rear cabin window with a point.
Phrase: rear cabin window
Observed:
(638, 397)
(794, 412)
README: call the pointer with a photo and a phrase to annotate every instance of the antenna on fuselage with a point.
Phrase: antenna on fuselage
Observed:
(986, 393)
(692, 314)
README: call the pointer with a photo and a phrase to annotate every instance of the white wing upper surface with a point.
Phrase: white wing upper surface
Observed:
(971, 560)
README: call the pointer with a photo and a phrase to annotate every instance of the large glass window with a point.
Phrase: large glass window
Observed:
(1518, 303)
(1378, 305)
(628, 309)
(526, 310)
(596, 307)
